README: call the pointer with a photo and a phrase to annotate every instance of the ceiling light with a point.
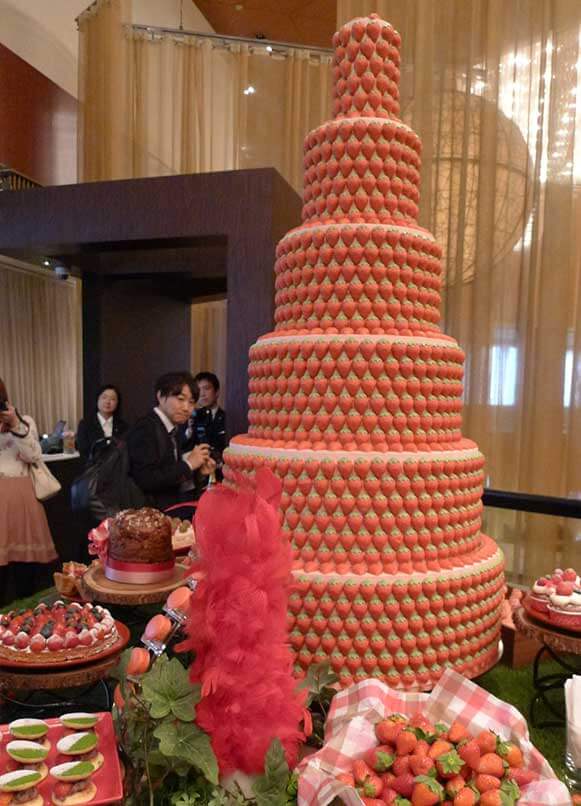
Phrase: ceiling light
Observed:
(249, 90)
(46, 262)
(269, 48)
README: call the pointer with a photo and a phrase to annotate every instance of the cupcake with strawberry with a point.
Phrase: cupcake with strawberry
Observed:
(545, 587)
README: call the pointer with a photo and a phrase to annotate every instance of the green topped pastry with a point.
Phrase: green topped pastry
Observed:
(83, 744)
(79, 721)
(23, 784)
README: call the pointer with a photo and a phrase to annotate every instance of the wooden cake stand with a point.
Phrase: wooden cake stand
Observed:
(95, 586)
(559, 645)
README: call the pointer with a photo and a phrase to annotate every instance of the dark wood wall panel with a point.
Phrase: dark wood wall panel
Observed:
(38, 123)
(223, 226)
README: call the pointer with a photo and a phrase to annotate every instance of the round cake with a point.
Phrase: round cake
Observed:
(57, 633)
(356, 405)
(140, 547)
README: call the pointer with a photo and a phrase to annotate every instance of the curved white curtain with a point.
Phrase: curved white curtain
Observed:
(493, 87)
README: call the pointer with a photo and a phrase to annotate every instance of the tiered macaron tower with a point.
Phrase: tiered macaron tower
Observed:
(355, 403)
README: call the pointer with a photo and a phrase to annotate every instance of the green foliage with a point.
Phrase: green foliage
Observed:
(272, 788)
(169, 759)
(322, 684)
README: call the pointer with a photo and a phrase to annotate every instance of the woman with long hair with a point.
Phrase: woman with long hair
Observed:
(27, 550)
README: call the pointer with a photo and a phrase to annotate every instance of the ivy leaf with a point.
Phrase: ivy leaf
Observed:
(187, 742)
(167, 690)
(319, 681)
(270, 789)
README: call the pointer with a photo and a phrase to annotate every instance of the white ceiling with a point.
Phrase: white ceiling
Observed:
(44, 32)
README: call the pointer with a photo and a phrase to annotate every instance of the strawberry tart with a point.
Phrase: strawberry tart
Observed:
(57, 633)
(355, 404)
(560, 584)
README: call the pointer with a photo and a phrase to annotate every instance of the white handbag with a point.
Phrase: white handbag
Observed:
(44, 483)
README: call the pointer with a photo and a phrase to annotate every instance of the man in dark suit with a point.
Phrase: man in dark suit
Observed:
(160, 465)
(208, 421)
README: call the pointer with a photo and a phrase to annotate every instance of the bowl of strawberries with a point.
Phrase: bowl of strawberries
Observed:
(457, 746)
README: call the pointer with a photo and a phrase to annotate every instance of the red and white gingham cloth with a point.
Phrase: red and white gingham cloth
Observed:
(349, 733)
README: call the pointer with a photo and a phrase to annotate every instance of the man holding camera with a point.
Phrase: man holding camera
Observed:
(207, 425)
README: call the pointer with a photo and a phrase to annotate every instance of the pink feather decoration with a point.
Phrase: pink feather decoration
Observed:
(237, 626)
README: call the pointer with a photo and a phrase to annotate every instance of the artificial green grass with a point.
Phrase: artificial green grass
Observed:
(514, 686)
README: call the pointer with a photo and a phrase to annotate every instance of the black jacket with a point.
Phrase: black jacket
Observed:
(202, 427)
(153, 464)
(90, 431)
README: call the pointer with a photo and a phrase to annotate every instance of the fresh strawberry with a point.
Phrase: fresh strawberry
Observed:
(405, 743)
(570, 575)
(387, 778)
(465, 797)
(485, 782)
(491, 764)
(372, 786)
(421, 765)
(565, 588)
(470, 753)
(404, 784)
(389, 795)
(401, 765)
(507, 795)
(426, 792)
(380, 758)
(346, 778)
(455, 785)
(449, 764)
(361, 771)
(422, 748)
(457, 732)
(387, 731)
(423, 723)
(439, 747)
(492, 797)
(511, 753)
(520, 776)
(372, 801)
(486, 741)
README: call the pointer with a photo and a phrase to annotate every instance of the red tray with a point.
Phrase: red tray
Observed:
(107, 780)
(114, 649)
(546, 618)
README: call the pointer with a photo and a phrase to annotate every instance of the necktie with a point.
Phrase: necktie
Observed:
(173, 435)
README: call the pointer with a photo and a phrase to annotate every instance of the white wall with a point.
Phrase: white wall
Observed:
(44, 32)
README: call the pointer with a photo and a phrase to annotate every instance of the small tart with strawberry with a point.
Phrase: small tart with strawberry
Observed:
(545, 587)
(565, 606)
(57, 633)
(74, 783)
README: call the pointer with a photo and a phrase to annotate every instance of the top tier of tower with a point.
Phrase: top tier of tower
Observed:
(366, 69)
(364, 162)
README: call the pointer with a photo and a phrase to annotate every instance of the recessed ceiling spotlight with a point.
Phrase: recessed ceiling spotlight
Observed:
(239, 7)
(269, 48)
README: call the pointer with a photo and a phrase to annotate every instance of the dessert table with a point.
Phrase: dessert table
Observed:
(559, 645)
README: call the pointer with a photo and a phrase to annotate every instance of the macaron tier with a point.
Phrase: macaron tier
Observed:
(356, 405)
(356, 392)
(403, 629)
(376, 512)
(356, 276)
(366, 69)
(367, 166)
